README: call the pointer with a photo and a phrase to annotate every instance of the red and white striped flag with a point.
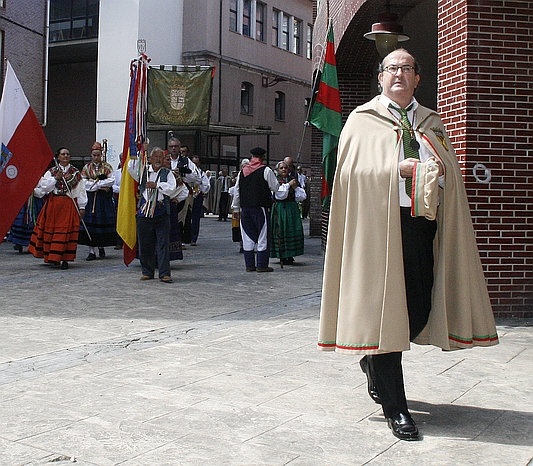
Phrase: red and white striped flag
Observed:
(25, 152)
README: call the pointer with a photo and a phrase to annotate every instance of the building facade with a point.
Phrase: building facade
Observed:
(261, 53)
(23, 41)
(477, 73)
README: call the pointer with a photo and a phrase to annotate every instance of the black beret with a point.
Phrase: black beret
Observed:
(258, 151)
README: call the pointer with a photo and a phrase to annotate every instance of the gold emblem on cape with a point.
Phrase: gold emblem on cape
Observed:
(441, 137)
(177, 97)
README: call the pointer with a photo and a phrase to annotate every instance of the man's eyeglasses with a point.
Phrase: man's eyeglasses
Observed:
(172, 147)
(406, 69)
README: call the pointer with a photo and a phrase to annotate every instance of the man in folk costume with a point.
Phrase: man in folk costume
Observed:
(222, 197)
(200, 190)
(100, 216)
(55, 237)
(401, 262)
(252, 199)
(156, 187)
(184, 168)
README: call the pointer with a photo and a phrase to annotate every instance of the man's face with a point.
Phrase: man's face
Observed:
(196, 161)
(184, 151)
(174, 149)
(96, 156)
(400, 86)
(166, 161)
(156, 159)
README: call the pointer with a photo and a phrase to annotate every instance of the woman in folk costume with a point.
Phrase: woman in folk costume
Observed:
(287, 230)
(55, 236)
(100, 216)
(22, 228)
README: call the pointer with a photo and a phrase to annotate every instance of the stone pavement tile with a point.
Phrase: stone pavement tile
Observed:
(235, 420)
(202, 450)
(17, 453)
(25, 417)
(232, 385)
(104, 442)
(450, 452)
(328, 439)
(163, 375)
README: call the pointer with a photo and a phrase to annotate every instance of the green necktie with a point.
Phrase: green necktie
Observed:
(410, 144)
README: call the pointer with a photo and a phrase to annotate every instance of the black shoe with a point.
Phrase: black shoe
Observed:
(371, 385)
(18, 247)
(91, 257)
(64, 265)
(101, 252)
(403, 427)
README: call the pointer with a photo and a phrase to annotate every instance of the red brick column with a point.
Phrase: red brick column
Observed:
(486, 101)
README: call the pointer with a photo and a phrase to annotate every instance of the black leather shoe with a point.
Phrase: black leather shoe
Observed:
(64, 265)
(101, 252)
(91, 257)
(371, 386)
(403, 427)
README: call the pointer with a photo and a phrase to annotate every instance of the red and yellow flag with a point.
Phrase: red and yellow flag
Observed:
(134, 137)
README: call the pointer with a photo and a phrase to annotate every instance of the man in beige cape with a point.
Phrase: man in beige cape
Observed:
(390, 277)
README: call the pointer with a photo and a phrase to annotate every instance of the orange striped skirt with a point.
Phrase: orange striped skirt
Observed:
(55, 236)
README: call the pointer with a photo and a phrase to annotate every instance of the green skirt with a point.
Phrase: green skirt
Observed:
(287, 238)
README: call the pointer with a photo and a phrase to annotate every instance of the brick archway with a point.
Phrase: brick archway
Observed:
(481, 67)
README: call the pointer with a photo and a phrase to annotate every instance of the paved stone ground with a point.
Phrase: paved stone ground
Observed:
(221, 368)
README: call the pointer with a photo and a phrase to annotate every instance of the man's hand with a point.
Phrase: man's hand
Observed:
(151, 184)
(82, 213)
(407, 166)
(237, 216)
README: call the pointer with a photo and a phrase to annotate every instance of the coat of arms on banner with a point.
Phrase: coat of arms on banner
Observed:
(177, 97)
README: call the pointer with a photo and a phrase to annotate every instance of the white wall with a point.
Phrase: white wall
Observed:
(122, 23)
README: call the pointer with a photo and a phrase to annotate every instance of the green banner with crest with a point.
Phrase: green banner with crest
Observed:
(179, 98)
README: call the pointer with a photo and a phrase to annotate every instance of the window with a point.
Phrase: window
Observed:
(73, 19)
(246, 18)
(275, 27)
(279, 106)
(309, 52)
(297, 37)
(233, 15)
(260, 9)
(284, 43)
(247, 98)
(287, 32)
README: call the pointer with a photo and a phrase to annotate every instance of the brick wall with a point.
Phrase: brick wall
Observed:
(23, 23)
(486, 100)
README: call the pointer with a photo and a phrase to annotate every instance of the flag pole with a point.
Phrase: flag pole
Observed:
(314, 91)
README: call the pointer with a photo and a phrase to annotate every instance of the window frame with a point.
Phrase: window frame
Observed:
(260, 9)
(279, 106)
(247, 98)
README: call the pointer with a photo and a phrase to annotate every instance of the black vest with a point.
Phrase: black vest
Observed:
(254, 190)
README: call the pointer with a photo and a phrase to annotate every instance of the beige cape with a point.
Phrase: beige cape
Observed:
(364, 309)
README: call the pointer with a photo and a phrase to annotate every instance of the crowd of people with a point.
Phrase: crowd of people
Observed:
(71, 207)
